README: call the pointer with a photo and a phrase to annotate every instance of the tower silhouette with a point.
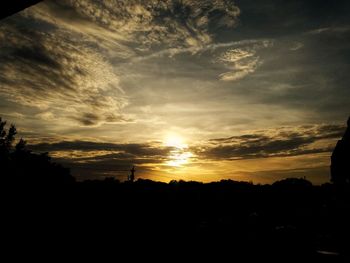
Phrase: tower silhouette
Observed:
(131, 177)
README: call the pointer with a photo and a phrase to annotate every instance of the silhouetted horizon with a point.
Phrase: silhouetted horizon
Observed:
(339, 169)
(290, 219)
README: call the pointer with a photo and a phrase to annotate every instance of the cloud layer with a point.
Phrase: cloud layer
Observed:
(282, 142)
(96, 159)
(54, 71)
(57, 56)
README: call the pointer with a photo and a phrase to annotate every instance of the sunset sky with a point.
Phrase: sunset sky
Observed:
(194, 90)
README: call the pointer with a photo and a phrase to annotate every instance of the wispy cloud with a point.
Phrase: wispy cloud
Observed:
(332, 29)
(170, 23)
(171, 52)
(242, 61)
(296, 46)
(57, 56)
(55, 71)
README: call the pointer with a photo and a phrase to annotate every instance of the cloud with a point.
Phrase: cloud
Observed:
(56, 71)
(241, 68)
(76, 145)
(46, 116)
(329, 30)
(134, 149)
(242, 61)
(93, 159)
(296, 46)
(64, 58)
(170, 23)
(171, 52)
(280, 142)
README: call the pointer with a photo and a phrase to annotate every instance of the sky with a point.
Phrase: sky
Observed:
(182, 89)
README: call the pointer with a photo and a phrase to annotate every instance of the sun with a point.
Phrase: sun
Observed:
(179, 155)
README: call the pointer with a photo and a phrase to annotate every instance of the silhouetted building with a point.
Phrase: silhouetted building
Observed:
(340, 160)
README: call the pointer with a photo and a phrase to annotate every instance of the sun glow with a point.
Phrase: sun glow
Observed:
(179, 155)
(175, 141)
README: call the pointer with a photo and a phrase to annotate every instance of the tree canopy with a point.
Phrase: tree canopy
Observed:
(20, 165)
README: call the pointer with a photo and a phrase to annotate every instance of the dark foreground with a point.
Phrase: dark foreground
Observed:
(226, 221)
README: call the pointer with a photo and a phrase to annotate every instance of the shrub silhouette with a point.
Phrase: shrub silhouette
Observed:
(293, 183)
(21, 166)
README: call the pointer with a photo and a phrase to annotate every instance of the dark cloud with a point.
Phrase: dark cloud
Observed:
(92, 119)
(88, 119)
(308, 61)
(281, 143)
(134, 149)
(259, 148)
(97, 159)
(36, 55)
(246, 137)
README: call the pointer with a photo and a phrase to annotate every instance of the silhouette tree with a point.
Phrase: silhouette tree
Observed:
(340, 159)
(293, 183)
(6, 138)
(20, 166)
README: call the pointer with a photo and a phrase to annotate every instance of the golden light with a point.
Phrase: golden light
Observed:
(175, 141)
(178, 156)
(179, 159)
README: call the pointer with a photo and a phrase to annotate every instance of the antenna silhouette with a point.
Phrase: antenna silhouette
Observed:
(131, 177)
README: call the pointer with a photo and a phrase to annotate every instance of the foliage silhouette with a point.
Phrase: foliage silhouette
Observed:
(22, 167)
(340, 166)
